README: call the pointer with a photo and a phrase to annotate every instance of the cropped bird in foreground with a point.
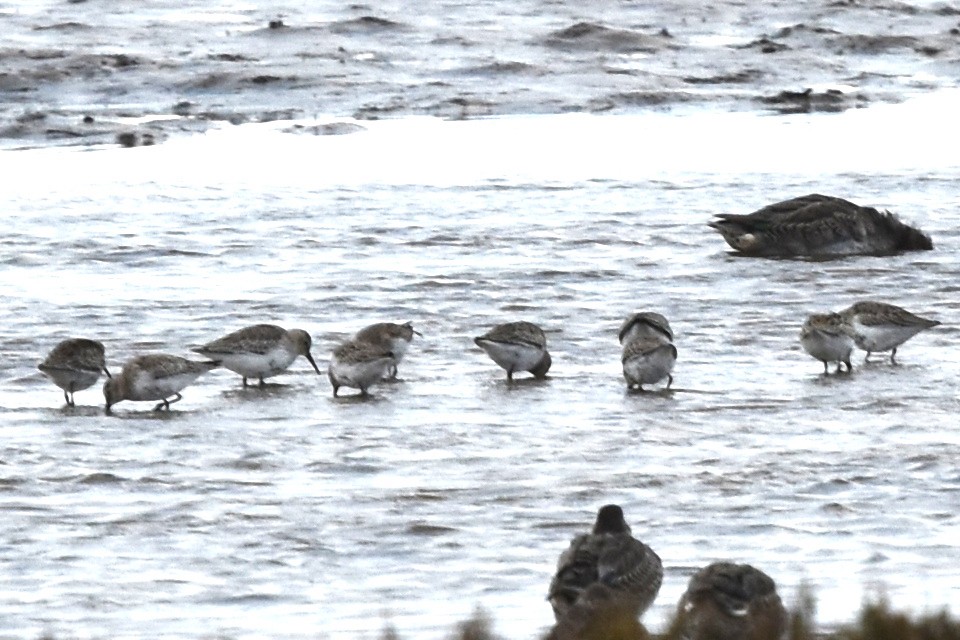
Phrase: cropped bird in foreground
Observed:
(517, 346)
(74, 365)
(155, 376)
(359, 365)
(645, 324)
(818, 226)
(259, 351)
(828, 338)
(878, 326)
(727, 601)
(608, 566)
(395, 338)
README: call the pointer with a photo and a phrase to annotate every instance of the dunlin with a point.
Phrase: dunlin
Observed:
(359, 365)
(155, 376)
(818, 226)
(393, 337)
(610, 556)
(74, 365)
(260, 351)
(878, 326)
(828, 338)
(647, 325)
(727, 601)
(647, 361)
(517, 346)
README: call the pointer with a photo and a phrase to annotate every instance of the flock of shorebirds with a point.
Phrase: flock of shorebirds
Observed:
(809, 226)
(374, 353)
(606, 579)
(605, 574)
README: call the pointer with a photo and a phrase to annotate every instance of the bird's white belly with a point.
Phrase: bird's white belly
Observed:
(881, 337)
(827, 347)
(146, 387)
(360, 375)
(398, 347)
(255, 365)
(513, 357)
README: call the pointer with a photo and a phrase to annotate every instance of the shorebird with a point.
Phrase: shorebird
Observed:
(648, 360)
(646, 324)
(74, 365)
(818, 226)
(393, 337)
(155, 376)
(608, 557)
(517, 346)
(878, 326)
(259, 351)
(727, 601)
(359, 365)
(828, 338)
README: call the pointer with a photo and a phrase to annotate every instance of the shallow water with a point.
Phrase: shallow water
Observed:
(283, 512)
(251, 513)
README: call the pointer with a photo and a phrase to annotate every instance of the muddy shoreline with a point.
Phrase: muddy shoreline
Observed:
(92, 73)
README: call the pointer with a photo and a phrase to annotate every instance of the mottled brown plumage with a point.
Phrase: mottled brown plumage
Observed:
(818, 226)
(645, 324)
(74, 365)
(728, 601)
(154, 376)
(517, 346)
(828, 338)
(610, 556)
(878, 326)
(393, 337)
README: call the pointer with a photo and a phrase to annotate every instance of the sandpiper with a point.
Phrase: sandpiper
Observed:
(878, 326)
(393, 337)
(74, 365)
(611, 556)
(517, 346)
(359, 365)
(260, 351)
(645, 324)
(728, 601)
(647, 361)
(155, 376)
(828, 338)
(818, 226)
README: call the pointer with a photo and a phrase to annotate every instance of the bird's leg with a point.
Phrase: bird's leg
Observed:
(166, 403)
(669, 380)
(244, 380)
(893, 356)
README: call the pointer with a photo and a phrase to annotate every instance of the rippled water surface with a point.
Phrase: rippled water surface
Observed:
(283, 512)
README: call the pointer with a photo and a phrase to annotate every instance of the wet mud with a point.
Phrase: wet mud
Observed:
(99, 73)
